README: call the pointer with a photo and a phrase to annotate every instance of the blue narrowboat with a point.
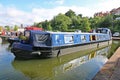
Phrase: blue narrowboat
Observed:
(53, 44)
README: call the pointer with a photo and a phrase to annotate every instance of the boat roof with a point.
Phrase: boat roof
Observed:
(50, 32)
(73, 33)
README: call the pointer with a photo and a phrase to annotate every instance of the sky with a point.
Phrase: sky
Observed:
(26, 12)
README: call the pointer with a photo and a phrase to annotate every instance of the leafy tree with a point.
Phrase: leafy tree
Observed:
(106, 22)
(1, 28)
(70, 22)
(61, 22)
(116, 26)
(76, 22)
(70, 13)
(85, 26)
(39, 25)
(7, 28)
(80, 15)
(49, 28)
(15, 28)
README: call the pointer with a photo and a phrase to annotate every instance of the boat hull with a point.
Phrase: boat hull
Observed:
(59, 51)
(12, 40)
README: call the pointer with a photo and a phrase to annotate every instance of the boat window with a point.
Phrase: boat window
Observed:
(68, 39)
(98, 31)
(92, 37)
(83, 38)
(104, 31)
(98, 38)
(41, 37)
(101, 31)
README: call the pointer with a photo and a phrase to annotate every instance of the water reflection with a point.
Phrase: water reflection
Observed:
(81, 65)
(0, 40)
(63, 68)
(115, 45)
(6, 69)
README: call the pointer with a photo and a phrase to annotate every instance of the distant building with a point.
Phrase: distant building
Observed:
(113, 11)
(101, 14)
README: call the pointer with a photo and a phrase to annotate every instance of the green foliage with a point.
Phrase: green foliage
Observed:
(49, 28)
(61, 22)
(76, 22)
(15, 28)
(7, 28)
(23, 37)
(39, 25)
(71, 22)
(107, 21)
(70, 13)
(85, 25)
(95, 22)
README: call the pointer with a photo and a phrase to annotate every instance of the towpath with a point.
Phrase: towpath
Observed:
(111, 70)
(116, 38)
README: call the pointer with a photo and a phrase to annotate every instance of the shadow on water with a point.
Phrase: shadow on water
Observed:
(68, 67)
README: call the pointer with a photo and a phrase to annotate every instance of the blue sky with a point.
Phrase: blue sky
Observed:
(29, 11)
(27, 4)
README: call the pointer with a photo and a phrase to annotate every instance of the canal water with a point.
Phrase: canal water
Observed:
(76, 66)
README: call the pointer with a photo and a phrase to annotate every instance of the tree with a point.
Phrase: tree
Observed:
(1, 28)
(85, 26)
(106, 22)
(7, 28)
(70, 13)
(76, 22)
(61, 22)
(15, 28)
(80, 15)
(116, 26)
(49, 28)
(95, 22)
(39, 25)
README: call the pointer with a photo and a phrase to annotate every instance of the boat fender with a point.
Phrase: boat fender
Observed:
(59, 52)
(37, 52)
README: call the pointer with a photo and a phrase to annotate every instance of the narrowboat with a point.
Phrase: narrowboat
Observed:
(54, 44)
(12, 40)
(15, 38)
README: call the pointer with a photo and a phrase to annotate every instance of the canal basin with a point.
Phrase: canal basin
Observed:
(78, 66)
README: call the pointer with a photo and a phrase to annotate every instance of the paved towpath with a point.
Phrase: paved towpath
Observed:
(116, 38)
(111, 70)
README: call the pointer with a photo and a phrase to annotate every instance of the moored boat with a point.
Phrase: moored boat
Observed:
(53, 44)
(12, 40)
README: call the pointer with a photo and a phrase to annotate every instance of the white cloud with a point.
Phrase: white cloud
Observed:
(12, 16)
(105, 5)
